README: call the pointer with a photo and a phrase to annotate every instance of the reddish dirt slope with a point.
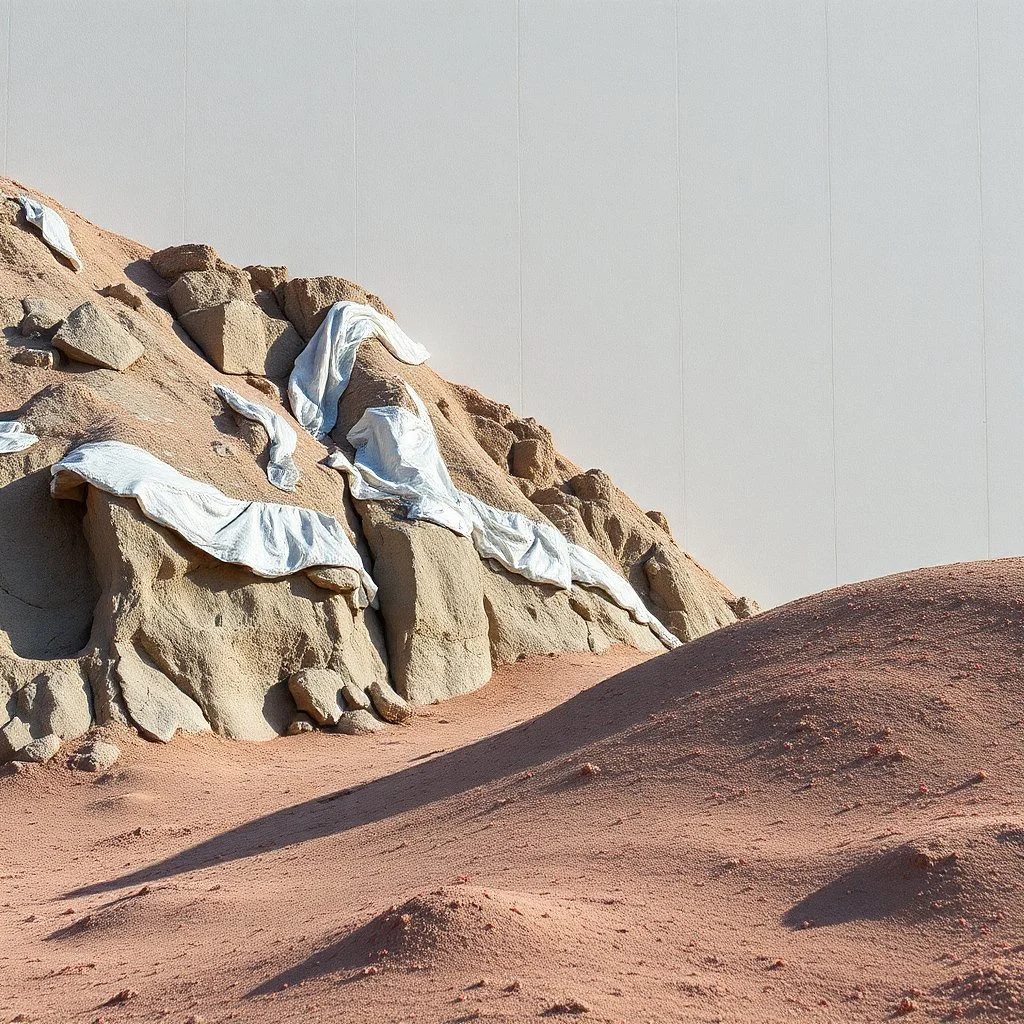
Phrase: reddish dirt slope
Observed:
(815, 814)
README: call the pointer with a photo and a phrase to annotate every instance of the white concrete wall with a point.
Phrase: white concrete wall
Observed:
(761, 259)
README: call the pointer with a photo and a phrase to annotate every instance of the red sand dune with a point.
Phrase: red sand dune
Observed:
(815, 814)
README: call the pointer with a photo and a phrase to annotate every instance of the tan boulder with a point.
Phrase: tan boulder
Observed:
(263, 278)
(238, 337)
(90, 336)
(40, 750)
(172, 262)
(659, 519)
(318, 692)
(495, 439)
(391, 706)
(533, 459)
(593, 485)
(680, 599)
(41, 358)
(131, 295)
(527, 618)
(200, 289)
(15, 735)
(56, 702)
(359, 723)
(306, 300)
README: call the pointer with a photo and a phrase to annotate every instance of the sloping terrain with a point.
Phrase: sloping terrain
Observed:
(815, 814)
(107, 617)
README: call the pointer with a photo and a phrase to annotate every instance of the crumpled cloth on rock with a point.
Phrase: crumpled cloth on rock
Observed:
(270, 539)
(14, 437)
(281, 469)
(323, 368)
(397, 457)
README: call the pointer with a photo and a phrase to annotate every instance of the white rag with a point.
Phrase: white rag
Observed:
(322, 370)
(55, 232)
(272, 540)
(281, 469)
(397, 457)
(14, 437)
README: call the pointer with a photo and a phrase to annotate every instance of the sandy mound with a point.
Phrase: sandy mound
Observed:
(107, 617)
(813, 814)
(465, 927)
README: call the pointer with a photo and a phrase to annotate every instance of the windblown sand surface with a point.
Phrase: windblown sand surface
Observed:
(814, 814)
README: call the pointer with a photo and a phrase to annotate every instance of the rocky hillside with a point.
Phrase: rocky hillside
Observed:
(107, 616)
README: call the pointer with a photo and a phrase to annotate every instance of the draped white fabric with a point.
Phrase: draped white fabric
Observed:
(397, 457)
(281, 469)
(51, 224)
(272, 540)
(322, 370)
(14, 437)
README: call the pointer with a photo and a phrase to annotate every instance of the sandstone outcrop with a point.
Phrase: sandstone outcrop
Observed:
(106, 617)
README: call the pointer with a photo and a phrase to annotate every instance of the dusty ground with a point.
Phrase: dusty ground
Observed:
(815, 814)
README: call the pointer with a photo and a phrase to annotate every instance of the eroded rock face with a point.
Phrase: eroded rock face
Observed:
(226, 639)
(431, 599)
(240, 338)
(106, 617)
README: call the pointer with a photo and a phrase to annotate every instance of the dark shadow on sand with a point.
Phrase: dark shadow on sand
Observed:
(606, 708)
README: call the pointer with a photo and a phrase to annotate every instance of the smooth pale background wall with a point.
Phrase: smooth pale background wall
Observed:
(763, 261)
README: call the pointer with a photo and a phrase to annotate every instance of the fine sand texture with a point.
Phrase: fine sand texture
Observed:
(814, 814)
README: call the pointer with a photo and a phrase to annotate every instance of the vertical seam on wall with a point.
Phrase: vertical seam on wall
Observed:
(519, 218)
(683, 532)
(831, 295)
(7, 97)
(184, 121)
(984, 319)
(355, 143)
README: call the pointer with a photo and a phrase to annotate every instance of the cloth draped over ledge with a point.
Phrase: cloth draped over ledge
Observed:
(270, 539)
(397, 457)
(323, 368)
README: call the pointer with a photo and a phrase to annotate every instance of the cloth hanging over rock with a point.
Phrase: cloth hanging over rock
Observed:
(54, 231)
(272, 540)
(14, 437)
(397, 457)
(323, 368)
(282, 471)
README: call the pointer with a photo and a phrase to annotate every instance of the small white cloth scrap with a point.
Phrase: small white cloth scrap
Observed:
(272, 540)
(397, 457)
(282, 471)
(55, 232)
(14, 437)
(322, 371)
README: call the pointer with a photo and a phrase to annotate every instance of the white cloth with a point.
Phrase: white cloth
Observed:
(397, 457)
(322, 370)
(272, 540)
(14, 437)
(55, 232)
(281, 469)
